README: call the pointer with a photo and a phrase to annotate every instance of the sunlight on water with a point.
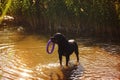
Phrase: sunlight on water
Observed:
(49, 71)
(24, 74)
(49, 66)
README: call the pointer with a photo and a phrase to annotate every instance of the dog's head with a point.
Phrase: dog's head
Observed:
(58, 38)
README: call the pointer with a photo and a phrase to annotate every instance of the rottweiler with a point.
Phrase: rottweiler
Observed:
(65, 47)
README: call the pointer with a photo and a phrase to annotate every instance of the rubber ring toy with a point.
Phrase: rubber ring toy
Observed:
(48, 45)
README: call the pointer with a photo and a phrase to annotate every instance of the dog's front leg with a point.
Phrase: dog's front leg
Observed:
(60, 59)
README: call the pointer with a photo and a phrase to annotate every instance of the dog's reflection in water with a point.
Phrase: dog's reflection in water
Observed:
(73, 72)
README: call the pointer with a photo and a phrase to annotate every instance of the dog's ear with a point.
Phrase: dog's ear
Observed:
(63, 37)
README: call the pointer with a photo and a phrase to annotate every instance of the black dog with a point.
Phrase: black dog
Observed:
(65, 47)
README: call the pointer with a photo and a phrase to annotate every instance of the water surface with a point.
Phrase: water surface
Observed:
(25, 58)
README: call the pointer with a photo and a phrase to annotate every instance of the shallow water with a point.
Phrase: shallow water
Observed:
(25, 58)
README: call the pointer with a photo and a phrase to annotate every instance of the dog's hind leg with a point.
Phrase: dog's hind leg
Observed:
(77, 54)
(67, 60)
(76, 51)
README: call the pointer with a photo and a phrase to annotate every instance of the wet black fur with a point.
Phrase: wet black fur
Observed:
(65, 48)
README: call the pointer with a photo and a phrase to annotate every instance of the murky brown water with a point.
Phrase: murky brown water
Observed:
(26, 59)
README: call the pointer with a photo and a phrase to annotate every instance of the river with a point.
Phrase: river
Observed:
(24, 58)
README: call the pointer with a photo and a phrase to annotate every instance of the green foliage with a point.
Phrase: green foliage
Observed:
(99, 11)
(80, 14)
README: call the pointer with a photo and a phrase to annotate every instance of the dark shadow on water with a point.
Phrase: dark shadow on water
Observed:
(108, 46)
(73, 72)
